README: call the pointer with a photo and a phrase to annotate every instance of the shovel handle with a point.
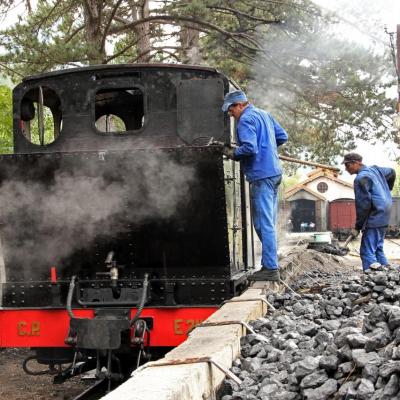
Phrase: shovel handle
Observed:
(348, 240)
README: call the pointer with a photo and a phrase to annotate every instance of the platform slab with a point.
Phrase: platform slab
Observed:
(197, 381)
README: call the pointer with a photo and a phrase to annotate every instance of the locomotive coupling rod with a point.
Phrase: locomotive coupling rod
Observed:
(257, 299)
(187, 361)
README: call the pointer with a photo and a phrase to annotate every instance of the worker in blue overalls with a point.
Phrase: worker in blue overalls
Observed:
(372, 187)
(258, 136)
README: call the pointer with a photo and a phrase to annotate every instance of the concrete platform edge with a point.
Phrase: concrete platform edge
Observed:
(198, 381)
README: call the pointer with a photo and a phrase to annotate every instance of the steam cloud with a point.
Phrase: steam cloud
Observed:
(359, 26)
(43, 223)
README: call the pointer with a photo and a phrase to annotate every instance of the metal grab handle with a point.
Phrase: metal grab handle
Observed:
(41, 117)
(143, 299)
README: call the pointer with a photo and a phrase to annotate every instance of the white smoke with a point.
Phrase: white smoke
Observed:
(47, 221)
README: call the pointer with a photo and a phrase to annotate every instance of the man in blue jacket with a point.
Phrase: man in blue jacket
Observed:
(258, 136)
(373, 200)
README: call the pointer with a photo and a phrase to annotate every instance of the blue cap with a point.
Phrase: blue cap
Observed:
(232, 98)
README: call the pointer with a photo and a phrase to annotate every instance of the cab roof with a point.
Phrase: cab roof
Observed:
(108, 67)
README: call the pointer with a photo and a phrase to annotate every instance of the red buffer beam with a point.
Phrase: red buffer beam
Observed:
(49, 328)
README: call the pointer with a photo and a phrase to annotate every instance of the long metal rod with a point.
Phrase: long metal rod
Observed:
(226, 371)
(239, 300)
(188, 361)
(284, 158)
(288, 287)
(314, 164)
(304, 271)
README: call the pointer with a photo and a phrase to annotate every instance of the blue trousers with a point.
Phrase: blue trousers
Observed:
(371, 249)
(264, 199)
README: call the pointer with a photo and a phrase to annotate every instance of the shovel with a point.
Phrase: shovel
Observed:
(344, 249)
(335, 249)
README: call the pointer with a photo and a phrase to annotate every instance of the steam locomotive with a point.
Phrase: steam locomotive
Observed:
(121, 225)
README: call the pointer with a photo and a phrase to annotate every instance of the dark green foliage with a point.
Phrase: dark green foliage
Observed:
(6, 145)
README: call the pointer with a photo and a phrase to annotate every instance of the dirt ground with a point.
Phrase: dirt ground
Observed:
(391, 248)
(15, 384)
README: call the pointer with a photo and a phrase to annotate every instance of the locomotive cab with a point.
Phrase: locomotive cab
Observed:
(117, 208)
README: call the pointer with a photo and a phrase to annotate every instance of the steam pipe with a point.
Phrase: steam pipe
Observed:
(114, 283)
(112, 265)
(109, 258)
(142, 300)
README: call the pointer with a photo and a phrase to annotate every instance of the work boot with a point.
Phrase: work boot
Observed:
(375, 266)
(264, 274)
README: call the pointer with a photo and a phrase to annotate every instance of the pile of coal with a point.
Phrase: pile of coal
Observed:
(342, 342)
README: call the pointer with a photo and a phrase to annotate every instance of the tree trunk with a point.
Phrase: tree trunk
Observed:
(93, 32)
(190, 52)
(140, 10)
(28, 6)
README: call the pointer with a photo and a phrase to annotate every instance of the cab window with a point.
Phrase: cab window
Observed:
(119, 110)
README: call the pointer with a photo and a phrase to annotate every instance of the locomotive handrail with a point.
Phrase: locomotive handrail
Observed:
(142, 300)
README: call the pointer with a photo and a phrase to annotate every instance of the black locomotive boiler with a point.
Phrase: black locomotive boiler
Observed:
(121, 225)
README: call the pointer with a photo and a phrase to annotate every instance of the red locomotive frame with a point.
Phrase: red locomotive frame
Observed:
(49, 328)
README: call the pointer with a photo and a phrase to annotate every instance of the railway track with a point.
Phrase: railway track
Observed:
(97, 390)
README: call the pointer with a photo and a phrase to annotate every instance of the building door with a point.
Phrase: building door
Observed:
(302, 212)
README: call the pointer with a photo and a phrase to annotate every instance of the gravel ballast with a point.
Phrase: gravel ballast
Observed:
(340, 340)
